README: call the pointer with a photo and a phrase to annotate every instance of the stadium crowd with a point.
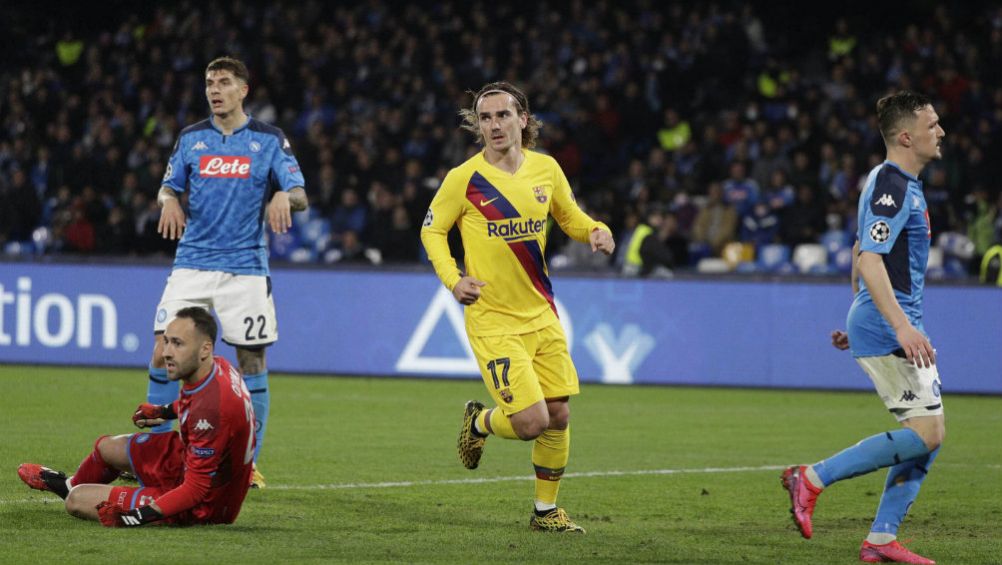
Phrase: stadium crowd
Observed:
(701, 125)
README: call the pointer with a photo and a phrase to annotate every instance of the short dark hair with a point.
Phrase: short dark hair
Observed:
(897, 107)
(235, 66)
(471, 122)
(205, 324)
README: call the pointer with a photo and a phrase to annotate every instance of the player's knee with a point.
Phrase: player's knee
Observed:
(934, 438)
(932, 434)
(251, 361)
(101, 445)
(530, 428)
(530, 431)
(560, 416)
(112, 450)
(157, 360)
(75, 505)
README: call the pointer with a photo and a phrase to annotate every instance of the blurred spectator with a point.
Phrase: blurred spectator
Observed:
(351, 215)
(399, 245)
(804, 220)
(675, 132)
(665, 249)
(760, 226)
(352, 250)
(20, 209)
(739, 190)
(716, 223)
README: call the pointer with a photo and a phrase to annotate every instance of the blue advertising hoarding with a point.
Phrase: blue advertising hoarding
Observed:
(701, 332)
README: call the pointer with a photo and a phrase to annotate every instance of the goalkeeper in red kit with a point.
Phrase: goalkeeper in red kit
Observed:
(198, 475)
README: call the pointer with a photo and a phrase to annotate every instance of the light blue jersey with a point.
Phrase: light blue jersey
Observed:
(894, 222)
(229, 180)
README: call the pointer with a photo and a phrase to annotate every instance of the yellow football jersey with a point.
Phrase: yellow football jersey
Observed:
(502, 219)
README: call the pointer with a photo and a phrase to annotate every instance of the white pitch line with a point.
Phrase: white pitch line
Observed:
(392, 484)
(482, 480)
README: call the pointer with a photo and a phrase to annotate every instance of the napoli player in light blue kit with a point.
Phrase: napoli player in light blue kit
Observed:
(228, 165)
(886, 335)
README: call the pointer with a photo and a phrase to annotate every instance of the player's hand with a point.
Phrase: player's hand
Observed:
(840, 340)
(917, 348)
(150, 415)
(467, 290)
(280, 212)
(113, 516)
(172, 220)
(601, 240)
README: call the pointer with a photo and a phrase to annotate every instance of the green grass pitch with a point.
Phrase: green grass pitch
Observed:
(364, 470)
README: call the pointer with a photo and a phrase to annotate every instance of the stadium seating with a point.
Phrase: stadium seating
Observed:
(774, 257)
(810, 258)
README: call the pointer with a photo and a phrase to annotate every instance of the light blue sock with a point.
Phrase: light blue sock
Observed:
(260, 398)
(903, 483)
(161, 391)
(874, 452)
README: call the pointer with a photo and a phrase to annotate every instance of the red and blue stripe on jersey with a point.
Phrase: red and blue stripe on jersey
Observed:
(495, 207)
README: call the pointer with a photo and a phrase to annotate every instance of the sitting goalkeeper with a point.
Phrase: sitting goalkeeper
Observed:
(198, 475)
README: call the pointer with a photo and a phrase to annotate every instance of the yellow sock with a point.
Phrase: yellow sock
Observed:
(550, 452)
(495, 422)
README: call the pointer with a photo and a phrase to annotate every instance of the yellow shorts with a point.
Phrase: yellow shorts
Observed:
(520, 370)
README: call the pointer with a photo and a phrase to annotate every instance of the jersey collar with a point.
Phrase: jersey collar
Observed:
(236, 130)
(200, 385)
(902, 171)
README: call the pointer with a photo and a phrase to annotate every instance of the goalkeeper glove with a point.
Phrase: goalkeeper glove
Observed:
(149, 415)
(113, 516)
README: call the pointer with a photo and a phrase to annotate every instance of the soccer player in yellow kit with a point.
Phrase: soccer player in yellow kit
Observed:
(501, 198)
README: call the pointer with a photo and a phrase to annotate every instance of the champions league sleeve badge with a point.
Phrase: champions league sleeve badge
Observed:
(880, 232)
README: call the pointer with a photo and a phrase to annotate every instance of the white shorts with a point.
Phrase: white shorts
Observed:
(907, 390)
(243, 304)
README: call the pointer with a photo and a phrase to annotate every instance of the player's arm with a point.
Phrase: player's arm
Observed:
(854, 277)
(203, 454)
(444, 211)
(840, 339)
(172, 220)
(575, 223)
(915, 345)
(292, 196)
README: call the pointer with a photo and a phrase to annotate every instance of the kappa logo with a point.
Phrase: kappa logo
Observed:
(200, 146)
(886, 200)
(486, 202)
(202, 425)
(908, 396)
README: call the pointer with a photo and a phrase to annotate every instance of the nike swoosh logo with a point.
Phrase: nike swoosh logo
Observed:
(486, 202)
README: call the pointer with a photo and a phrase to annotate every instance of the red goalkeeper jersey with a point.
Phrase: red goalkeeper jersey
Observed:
(217, 430)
